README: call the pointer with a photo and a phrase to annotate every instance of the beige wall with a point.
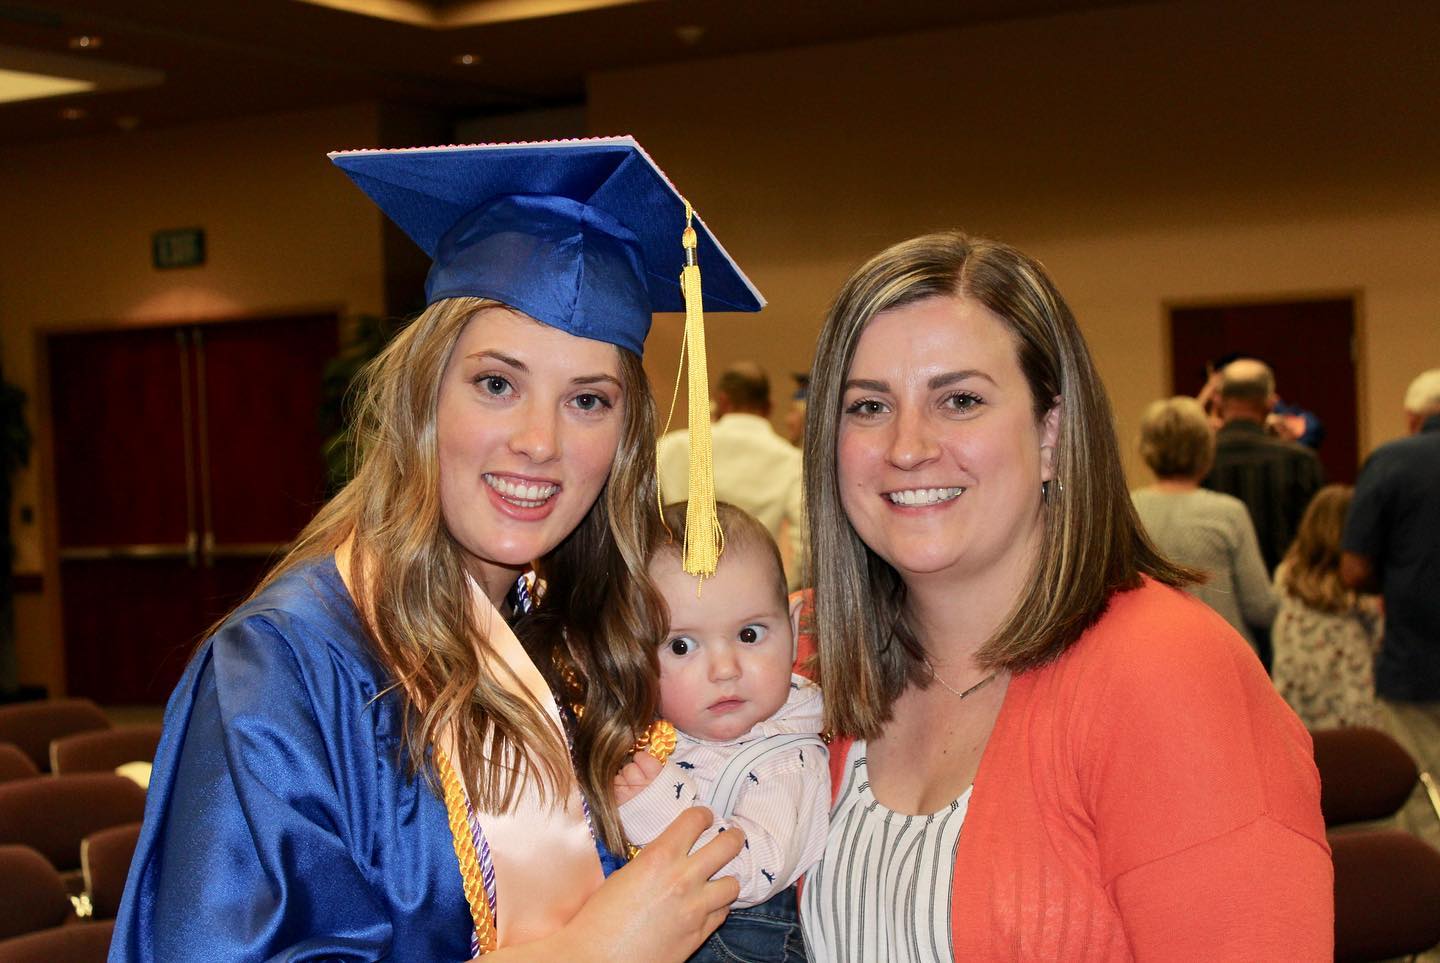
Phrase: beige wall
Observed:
(1153, 154)
(283, 230)
(1149, 154)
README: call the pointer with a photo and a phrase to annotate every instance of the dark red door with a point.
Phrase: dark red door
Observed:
(1307, 343)
(185, 459)
(260, 448)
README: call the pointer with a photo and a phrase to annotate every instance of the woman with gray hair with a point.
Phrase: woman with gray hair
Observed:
(1205, 530)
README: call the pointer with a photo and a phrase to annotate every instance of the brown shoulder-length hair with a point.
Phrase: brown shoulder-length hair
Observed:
(1093, 543)
(1310, 570)
(409, 578)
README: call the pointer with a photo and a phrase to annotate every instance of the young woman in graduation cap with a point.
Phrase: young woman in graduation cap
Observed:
(363, 761)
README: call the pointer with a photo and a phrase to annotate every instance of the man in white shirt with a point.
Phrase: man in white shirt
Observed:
(755, 469)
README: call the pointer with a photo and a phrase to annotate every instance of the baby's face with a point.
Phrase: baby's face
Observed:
(725, 664)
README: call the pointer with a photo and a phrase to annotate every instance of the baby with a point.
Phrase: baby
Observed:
(748, 741)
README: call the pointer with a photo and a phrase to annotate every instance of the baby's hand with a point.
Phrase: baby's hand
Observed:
(639, 773)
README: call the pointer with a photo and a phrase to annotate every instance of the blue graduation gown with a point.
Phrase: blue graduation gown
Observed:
(280, 823)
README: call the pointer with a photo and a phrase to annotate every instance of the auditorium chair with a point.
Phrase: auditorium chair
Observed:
(1387, 895)
(54, 813)
(33, 725)
(34, 894)
(102, 750)
(1364, 775)
(14, 764)
(105, 860)
(80, 943)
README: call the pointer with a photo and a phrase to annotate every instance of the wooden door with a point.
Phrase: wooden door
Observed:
(121, 405)
(260, 446)
(1307, 343)
(185, 459)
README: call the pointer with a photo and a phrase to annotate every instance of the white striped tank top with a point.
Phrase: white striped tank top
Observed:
(882, 889)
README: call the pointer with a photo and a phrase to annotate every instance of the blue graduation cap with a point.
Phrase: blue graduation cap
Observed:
(584, 235)
(587, 236)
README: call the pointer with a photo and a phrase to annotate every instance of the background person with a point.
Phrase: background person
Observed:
(1286, 419)
(988, 614)
(1275, 477)
(1392, 542)
(755, 468)
(368, 717)
(1201, 529)
(1326, 634)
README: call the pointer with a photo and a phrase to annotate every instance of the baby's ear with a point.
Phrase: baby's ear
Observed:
(797, 602)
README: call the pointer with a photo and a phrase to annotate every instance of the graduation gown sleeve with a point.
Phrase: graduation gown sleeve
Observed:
(281, 824)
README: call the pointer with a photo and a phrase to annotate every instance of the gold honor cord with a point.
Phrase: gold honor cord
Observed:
(658, 740)
(471, 875)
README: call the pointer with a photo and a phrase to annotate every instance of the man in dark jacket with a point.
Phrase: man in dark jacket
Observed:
(1274, 477)
(1392, 542)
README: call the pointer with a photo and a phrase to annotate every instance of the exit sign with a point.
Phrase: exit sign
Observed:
(184, 247)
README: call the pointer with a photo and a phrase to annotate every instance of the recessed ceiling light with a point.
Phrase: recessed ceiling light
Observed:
(86, 41)
(30, 74)
(466, 60)
(73, 113)
(17, 85)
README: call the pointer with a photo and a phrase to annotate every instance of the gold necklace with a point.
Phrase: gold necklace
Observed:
(960, 693)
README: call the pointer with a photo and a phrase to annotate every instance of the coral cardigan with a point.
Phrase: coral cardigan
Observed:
(1146, 796)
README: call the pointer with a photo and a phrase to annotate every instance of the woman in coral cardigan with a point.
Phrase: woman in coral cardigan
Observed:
(1044, 750)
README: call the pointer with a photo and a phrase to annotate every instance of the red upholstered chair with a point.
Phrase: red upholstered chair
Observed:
(105, 859)
(32, 725)
(14, 764)
(1387, 895)
(54, 813)
(103, 749)
(1364, 775)
(34, 895)
(81, 943)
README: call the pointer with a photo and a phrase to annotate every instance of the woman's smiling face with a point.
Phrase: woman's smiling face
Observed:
(527, 425)
(939, 453)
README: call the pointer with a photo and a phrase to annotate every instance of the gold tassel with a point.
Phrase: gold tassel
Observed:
(703, 539)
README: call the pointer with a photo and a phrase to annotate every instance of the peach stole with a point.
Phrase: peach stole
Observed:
(546, 864)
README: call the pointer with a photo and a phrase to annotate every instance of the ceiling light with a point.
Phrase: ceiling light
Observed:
(24, 85)
(73, 113)
(690, 34)
(31, 74)
(86, 41)
(466, 60)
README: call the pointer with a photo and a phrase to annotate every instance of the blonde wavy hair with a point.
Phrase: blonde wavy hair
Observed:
(591, 634)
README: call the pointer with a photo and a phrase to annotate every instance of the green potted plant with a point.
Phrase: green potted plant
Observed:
(372, 333)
